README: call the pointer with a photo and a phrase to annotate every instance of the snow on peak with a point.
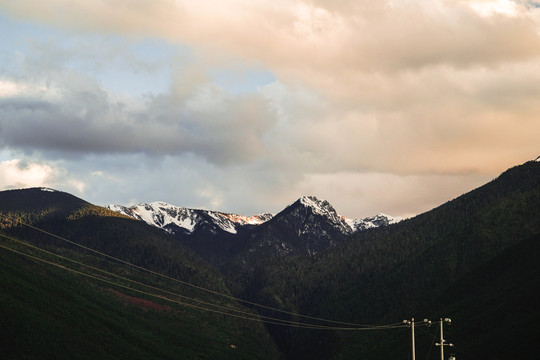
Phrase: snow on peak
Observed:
(310, 201)
(248, 220)
(171, 217)
(537, 159)
(321, 207)
(324, 208)
(165, 216)
(371, 222)
(159, 214)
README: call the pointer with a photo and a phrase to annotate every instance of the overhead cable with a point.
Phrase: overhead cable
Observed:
(252, 318)
(190, 284)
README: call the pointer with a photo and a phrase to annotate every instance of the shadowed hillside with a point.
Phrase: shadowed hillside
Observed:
(407, 270)
(55, 312)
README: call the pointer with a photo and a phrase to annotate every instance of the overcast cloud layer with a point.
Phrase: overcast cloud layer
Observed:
(243, 106)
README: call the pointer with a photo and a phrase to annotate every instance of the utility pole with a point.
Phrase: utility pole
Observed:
(412, 337)
(411, 324)
(442, 343)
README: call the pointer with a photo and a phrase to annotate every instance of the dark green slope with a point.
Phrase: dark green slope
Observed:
(71, 218)
(405, 270)
(493, 309)
(499, 313)
(49, 312)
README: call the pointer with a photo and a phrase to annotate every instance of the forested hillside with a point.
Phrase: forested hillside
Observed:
(412, 269)
(56, 312)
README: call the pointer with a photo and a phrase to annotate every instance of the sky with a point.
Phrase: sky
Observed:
(243, 106)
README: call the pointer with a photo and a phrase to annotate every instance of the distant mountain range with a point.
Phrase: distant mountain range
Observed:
(305, 227)
(173, 218)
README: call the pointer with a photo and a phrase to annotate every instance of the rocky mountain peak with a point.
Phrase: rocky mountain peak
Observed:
(317, 207)
(306, 226)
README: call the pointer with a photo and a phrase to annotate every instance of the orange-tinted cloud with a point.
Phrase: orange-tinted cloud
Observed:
(415, 88)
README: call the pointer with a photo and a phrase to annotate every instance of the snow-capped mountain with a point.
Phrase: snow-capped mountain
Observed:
(305, 227)
(173, 219)
(371, 222)
(323, 207)
(320, 208)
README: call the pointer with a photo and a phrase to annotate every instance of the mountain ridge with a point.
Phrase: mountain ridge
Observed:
(304, 227)
(49, 241)
(168, 216)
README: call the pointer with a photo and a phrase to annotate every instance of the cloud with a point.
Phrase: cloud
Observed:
(85, 122)
(490, 8)
(59, 109)
(9, 88)
(394, 81)
(413, 94)
(17, 173)
(398, 195)
(355, 36)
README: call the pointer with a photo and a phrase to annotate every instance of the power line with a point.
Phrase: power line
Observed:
(354, 325)
(127, 279)
(180, 281)
(153, 287)
(432, 342)
(252, 318)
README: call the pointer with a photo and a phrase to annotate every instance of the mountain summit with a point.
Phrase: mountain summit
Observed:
(307, 226)
(323, 209)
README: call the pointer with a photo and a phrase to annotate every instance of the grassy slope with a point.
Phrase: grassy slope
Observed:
(48, 312)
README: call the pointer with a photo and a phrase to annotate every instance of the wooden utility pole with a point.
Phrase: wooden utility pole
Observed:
(411, 324)
(442, 343)
(412, 335)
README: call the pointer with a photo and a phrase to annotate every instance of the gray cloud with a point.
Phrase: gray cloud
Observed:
(82, 118)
